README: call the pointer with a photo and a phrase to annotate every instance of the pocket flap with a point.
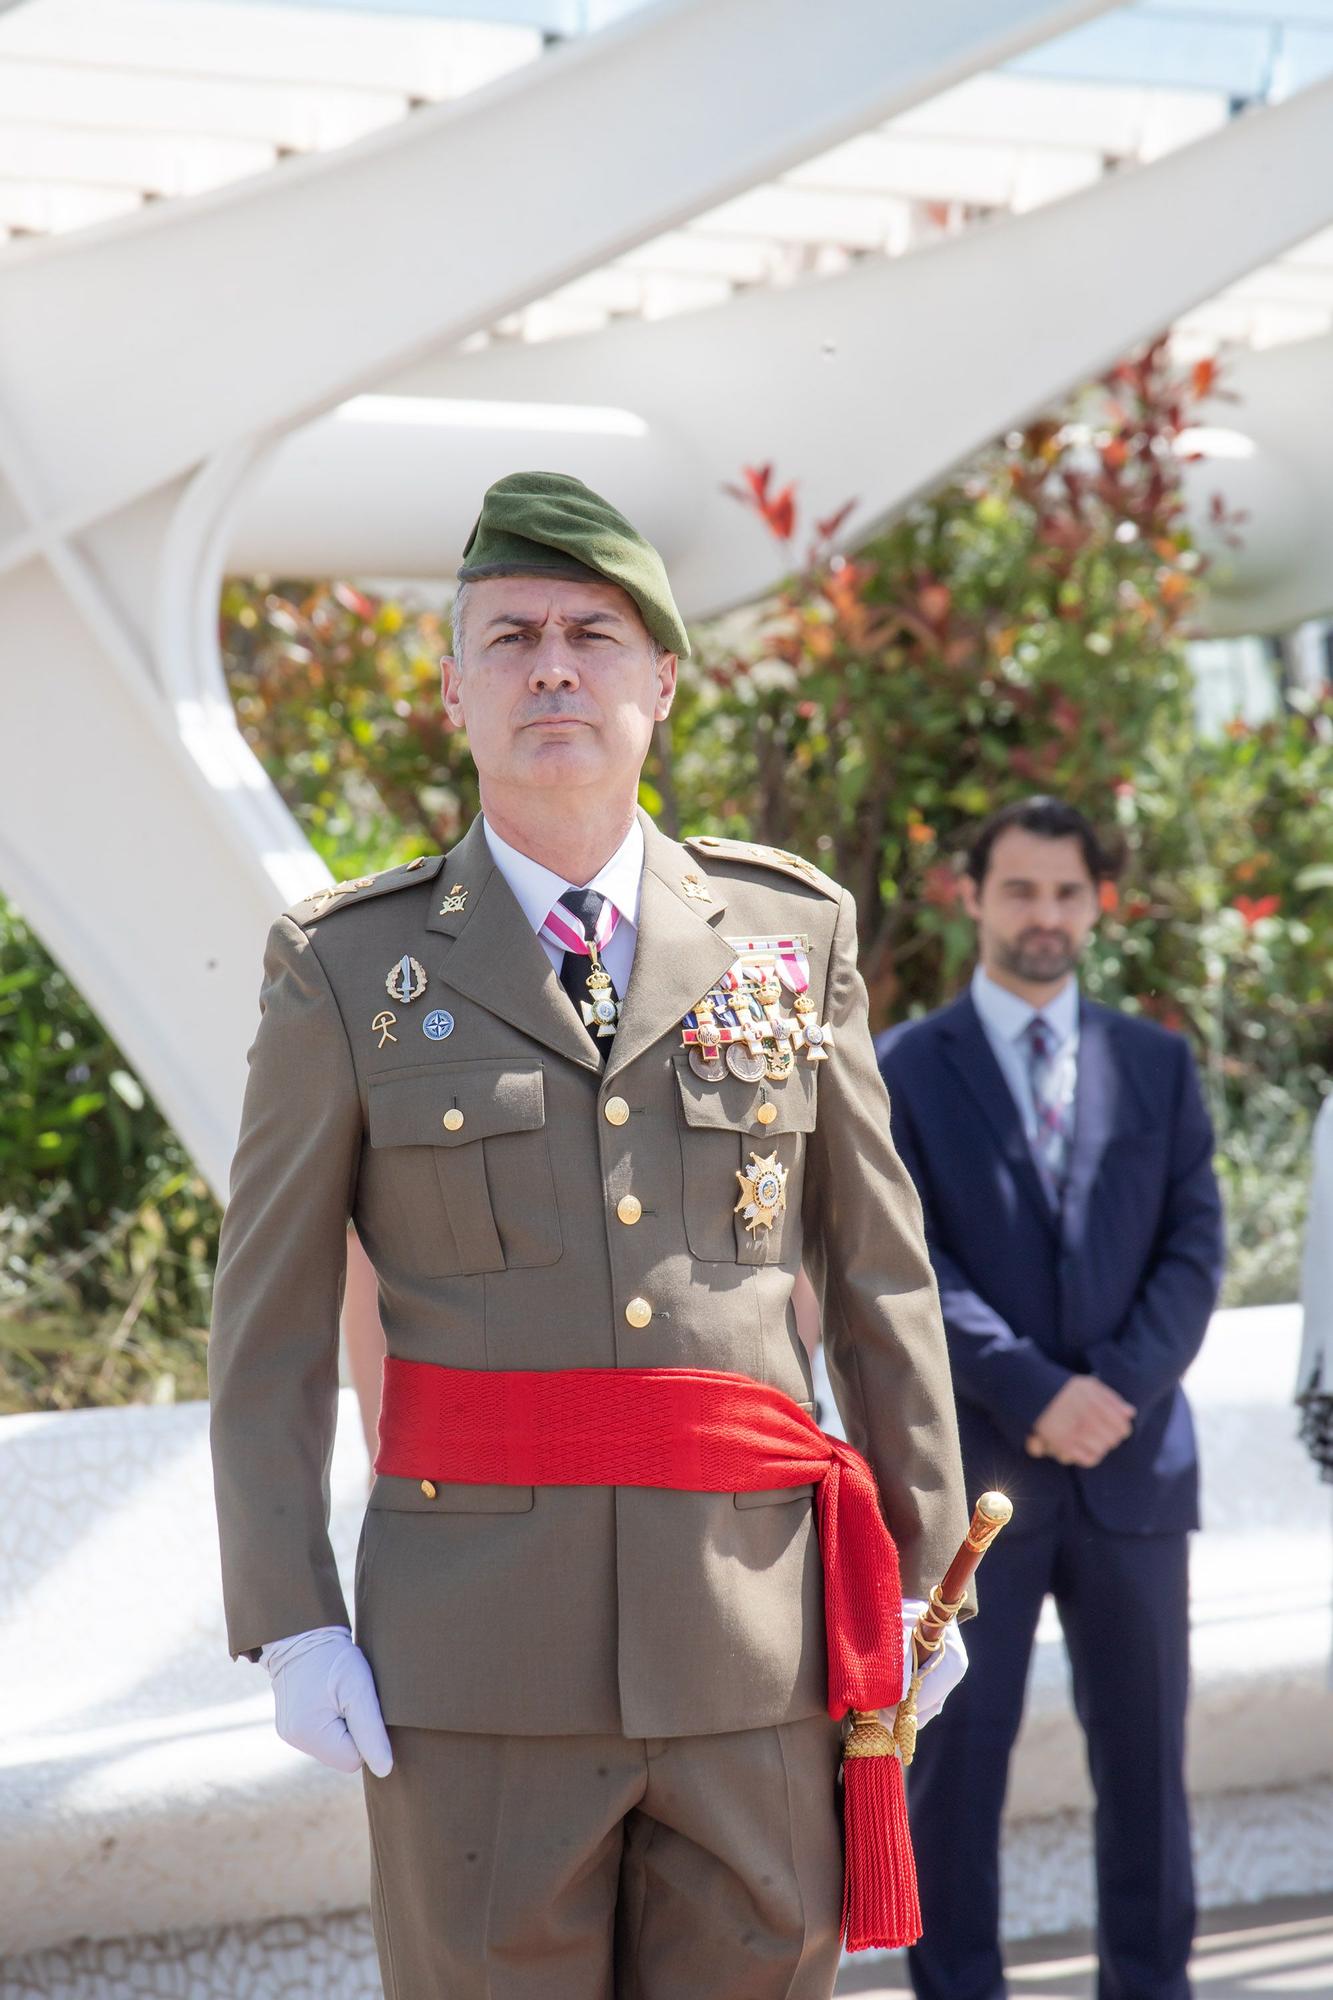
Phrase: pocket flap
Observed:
(409, 1108)
(733, 1105)
(775, 1496)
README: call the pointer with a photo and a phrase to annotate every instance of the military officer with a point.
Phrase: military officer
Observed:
(591, 1096)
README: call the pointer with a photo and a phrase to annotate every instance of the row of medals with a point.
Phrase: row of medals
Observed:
(741, 1027)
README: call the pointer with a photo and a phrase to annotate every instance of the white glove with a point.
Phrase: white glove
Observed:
(946, 1668)
(325, 1702)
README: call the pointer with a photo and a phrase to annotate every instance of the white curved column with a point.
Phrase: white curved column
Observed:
(138, 349)
(136, 830)
(873, 383)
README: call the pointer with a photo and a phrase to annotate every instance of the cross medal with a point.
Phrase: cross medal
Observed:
(601, 1013)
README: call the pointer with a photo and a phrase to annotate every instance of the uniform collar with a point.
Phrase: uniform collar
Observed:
(1007, 1018)
(537, 890)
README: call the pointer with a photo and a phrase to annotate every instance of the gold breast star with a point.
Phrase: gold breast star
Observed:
(763, 1192)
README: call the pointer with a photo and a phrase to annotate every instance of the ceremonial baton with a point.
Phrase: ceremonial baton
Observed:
(946, 1601)
(880, 1904)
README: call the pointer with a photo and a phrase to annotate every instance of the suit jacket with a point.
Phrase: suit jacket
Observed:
(498, 1245)
(1120, 1284)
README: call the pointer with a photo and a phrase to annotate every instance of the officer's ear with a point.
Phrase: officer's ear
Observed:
(451, 686)
(667, 668)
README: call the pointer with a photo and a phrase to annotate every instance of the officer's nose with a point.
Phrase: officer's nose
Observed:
(554, 666)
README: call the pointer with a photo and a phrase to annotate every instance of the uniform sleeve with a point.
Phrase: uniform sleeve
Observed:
(273, 1356)
(865, 1250)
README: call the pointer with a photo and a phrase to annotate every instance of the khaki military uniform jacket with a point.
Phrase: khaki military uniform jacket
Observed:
(499, 1243)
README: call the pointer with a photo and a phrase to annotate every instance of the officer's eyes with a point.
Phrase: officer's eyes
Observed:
(508, 638)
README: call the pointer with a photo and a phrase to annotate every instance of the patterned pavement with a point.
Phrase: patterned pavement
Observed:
(1277, 1951)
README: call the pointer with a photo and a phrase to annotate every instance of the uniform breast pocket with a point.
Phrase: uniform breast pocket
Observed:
(729, 1132)
(460, 1169)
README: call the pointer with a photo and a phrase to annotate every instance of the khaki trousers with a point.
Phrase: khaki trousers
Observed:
(605, 1868)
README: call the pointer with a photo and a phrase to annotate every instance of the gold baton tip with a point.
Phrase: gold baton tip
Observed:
(995, 1508)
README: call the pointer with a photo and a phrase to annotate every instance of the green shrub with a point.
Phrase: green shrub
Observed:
(107, 1234)
(1021, 629)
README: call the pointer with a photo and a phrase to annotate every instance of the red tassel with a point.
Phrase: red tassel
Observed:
(880, 1905)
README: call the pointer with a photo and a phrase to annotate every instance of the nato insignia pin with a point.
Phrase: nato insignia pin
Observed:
(437, 1025)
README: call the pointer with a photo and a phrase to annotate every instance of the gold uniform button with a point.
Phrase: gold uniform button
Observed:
(766, 1113)
(453, 1120)
(615, 1110)
(638, 1312)
(428, 1488)
(629, 1208)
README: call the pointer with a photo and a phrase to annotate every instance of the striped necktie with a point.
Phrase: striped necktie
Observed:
(583, 923)
(1051, 1144)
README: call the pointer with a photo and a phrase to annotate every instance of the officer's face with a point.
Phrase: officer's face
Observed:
(558, 684)
(1035, 910)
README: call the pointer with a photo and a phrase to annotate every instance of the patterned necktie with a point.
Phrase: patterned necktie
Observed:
(584, 922)
(1045, 1070)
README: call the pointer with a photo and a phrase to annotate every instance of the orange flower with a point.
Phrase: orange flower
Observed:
(1203, 376)
(918, 831)
(1109, 897)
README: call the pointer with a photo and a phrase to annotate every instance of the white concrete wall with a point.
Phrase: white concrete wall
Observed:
(142, 1790)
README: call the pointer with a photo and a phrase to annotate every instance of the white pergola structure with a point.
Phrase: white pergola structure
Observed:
(320, 365)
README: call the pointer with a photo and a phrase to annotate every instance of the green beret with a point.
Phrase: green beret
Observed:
(548, 524)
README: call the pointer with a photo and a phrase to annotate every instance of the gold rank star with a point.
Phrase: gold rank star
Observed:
(763, 1192)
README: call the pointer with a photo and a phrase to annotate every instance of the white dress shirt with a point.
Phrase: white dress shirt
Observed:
(1006, 1019)
(537, 891)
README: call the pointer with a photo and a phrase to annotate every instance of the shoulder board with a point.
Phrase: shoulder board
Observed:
(714, 848)
(365, 888)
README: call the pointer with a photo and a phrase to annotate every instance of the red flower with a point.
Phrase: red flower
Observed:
(1255, 908)
(353, 601)
(940, 887)
(829, 526)
(780, 513)
(1108, 896)
(778, 509)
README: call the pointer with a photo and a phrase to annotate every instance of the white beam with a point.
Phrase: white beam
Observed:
(301, 117)
(420, 57)
(874, 383)
(241, 337)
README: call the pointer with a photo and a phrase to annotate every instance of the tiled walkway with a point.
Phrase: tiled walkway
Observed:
(1282, 1950)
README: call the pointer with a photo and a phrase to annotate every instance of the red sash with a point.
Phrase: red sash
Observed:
(700, 1432)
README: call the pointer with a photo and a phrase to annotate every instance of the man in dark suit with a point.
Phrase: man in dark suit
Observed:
(1064, 1161)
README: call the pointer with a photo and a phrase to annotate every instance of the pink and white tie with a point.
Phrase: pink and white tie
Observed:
(583, 923)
